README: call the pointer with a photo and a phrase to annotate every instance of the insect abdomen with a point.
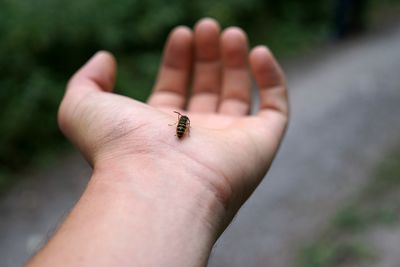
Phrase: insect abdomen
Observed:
(182, 126)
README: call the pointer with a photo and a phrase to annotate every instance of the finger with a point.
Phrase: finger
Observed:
(236, 83)
(270, 80)
(207, 68)
(172, 82)
(270, 124)
(98, 74)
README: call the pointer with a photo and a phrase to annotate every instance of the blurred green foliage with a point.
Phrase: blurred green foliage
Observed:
(43, 42)
(332, 254)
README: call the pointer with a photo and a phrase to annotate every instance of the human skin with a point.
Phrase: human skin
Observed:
(154, 199)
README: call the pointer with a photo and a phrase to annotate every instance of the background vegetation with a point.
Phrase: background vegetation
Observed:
(43, 42)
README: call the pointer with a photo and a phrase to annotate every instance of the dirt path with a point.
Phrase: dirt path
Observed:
(346, 114)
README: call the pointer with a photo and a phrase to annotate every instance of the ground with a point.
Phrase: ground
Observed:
(345, 119)
(366, 230)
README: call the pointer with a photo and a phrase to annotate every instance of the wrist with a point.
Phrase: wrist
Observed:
(173, 188)
(134, 219)
(178, 217)
(177, 183)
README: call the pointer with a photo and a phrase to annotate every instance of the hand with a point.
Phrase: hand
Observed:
(227, 152)
(154, 199)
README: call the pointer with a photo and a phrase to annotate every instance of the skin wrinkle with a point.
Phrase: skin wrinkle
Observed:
(257, 147)
(157, 99)
(120, 131)
(235, 99)
(275, 78)
(165, 90)
(222, 194)
(173, 67)
(274, 106)
(209, 61)
(206, 92)
(210, 68)
(65, 122)
(245, 183)
(78, 105)
(108, 81)
(131, 146)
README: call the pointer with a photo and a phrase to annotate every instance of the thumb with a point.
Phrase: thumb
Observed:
(98, 74)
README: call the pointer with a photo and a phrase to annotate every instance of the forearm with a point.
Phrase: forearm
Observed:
(127, 220)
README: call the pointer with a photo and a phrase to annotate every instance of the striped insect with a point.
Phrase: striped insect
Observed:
(183, 125)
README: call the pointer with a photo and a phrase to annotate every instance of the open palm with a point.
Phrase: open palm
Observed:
(228, 151)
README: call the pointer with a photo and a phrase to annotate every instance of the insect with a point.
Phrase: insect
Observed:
(183, 125)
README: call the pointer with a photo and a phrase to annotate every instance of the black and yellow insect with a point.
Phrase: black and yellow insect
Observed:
(183, 125)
